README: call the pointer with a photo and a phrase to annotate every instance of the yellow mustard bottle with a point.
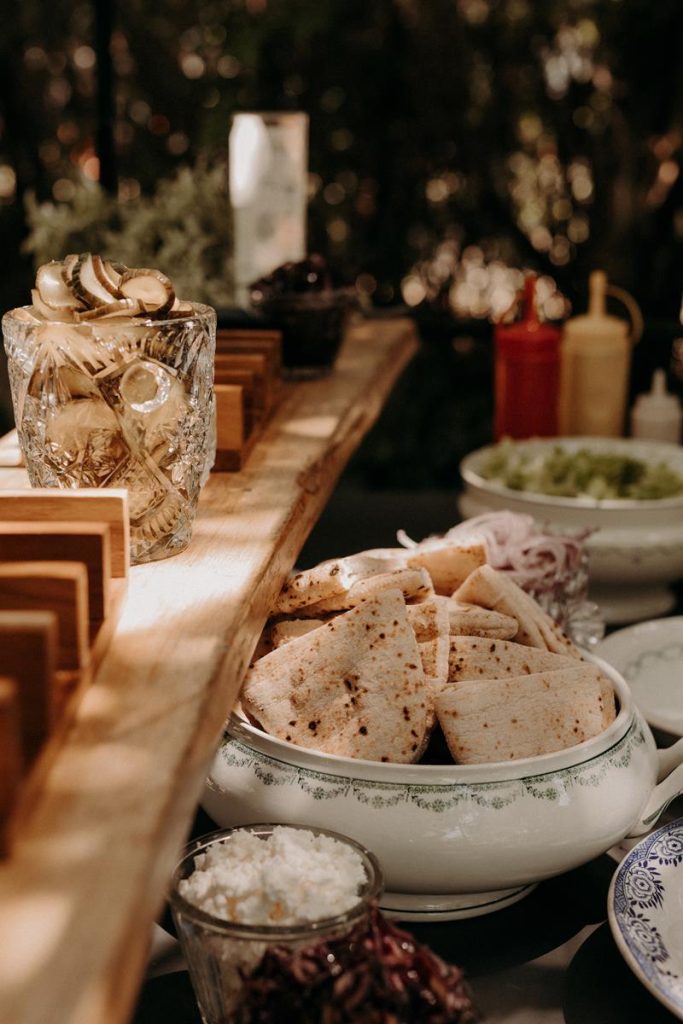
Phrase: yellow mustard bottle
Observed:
(596, 362)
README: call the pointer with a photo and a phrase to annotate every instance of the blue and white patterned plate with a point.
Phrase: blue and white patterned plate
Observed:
(650, 658)
(645, 909)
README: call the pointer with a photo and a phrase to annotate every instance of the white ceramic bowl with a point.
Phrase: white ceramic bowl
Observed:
(637, 545)
(455, 840)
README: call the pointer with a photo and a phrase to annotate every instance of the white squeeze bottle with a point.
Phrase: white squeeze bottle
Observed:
(596, 361)
(657, 414)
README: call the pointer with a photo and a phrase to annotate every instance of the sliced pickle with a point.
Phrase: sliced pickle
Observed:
(47, 313)
(118, 307)
(114, 275)
(86, 287)
(68, 266)
(52, 288)
(86, 284)
(24, 314)
(151, 288)
(180, 308)
(103, 278)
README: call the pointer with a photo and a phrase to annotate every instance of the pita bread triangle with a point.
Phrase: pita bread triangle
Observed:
(448, 563)
(473, 620)
(473, 657)
(342, 583)
(284, 632)
(414, 584)
(496, 591)
(429, 618)
(429, 621)
(487, 720)
(322, 581)
(354, 686)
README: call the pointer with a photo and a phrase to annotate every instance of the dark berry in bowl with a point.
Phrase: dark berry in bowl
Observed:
(300, 300)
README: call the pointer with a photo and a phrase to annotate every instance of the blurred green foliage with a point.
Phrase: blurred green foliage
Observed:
(182, 228)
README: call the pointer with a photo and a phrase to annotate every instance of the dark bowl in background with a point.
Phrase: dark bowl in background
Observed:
(312, 325)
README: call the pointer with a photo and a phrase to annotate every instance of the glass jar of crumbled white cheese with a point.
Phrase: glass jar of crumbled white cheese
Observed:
(240, 891)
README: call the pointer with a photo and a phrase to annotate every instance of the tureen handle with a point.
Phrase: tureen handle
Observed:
(670, 785)
(669, 758)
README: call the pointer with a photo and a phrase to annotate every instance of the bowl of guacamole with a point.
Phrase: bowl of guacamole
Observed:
(628, 493)
(588, 472)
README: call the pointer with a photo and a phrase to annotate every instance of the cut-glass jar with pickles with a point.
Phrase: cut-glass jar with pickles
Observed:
(112, 386)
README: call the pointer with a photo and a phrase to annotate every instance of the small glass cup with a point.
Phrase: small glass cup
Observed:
(566, 601)
(220, 954)
(118, 402)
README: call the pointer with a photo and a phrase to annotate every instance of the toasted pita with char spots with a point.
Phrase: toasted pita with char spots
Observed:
(353, 687)
(341, 583)
(482, 658)
(472, 620)
(494, 590)
(449, 564)
(414, 584)
(429, 618)
(429, 622)
(282, 633)
(303, 588)
(488, 720)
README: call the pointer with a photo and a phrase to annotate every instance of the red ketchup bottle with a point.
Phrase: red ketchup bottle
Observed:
(527, 374)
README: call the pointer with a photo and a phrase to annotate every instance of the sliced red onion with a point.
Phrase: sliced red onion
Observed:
(551, 567)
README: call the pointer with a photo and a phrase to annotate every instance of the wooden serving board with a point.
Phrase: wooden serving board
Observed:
(95, 848)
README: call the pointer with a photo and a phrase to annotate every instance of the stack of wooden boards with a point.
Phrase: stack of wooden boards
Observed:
(247, 382)
(64, 560)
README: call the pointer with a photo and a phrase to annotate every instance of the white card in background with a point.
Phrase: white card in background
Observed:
(268, 193)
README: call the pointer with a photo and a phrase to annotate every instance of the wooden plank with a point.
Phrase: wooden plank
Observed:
(69, 687)
(231, 430)
(232, 460)
(11, 756)
(59, 587)
(64, 542)
(28, 654)
(246, 380)
(235, 430)
(92, 856)
(257, 363)
(263, 338)
(79, 505)
(268, 342)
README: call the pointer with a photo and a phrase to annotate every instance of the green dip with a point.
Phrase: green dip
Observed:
(580, 473)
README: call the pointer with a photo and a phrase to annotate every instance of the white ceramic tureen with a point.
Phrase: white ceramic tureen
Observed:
(636, 546)
(457, 840)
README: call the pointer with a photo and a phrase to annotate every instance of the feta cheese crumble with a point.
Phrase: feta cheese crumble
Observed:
(290, 878)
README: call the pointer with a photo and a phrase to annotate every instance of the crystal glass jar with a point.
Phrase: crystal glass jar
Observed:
(220, 953)
(566, 601)
(118, 402)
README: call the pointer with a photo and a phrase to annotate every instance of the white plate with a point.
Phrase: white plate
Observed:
(650, 658)
(644, 909)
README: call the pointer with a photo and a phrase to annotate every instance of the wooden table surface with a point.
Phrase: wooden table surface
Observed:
(94, 851)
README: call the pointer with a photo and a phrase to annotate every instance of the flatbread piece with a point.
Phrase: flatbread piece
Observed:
(353, 687)
(496, 591)
(487, 720)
